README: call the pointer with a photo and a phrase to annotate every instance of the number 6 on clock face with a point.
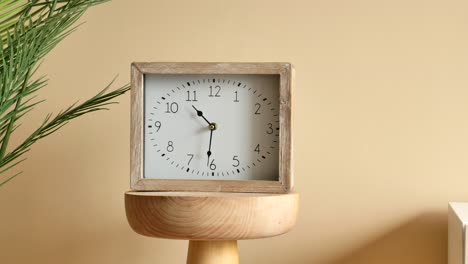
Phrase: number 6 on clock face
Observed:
(211, 127)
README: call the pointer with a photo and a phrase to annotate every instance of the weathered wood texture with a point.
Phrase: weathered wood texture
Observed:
(136, 127)
(211, 215)
(213, 252)
(285, 167)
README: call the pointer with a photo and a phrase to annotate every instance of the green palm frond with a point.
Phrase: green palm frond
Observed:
(28, 31)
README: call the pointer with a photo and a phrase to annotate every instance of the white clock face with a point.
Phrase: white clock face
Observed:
(213, 127)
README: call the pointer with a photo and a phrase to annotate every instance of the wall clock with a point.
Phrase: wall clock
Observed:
(223, 127)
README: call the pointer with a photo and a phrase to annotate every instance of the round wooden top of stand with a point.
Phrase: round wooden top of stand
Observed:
(210, 215)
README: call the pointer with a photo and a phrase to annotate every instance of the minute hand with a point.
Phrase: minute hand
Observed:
(209, 149)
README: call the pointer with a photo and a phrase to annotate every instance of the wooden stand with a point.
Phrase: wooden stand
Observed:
(213, 222)
(213, 252)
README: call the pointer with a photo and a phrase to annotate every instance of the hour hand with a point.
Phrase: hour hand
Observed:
(200, 113)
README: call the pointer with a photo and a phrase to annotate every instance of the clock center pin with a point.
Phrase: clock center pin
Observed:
(213, 126)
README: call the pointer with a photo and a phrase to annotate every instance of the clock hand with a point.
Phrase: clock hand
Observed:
(212, 127)
(209, 148)
(200, 113)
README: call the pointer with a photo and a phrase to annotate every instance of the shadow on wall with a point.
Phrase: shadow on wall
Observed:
(422, 240)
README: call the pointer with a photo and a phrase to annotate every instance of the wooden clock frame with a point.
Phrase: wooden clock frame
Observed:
(285, 162)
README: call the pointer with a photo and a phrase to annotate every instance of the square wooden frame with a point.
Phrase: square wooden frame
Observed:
(137, 182)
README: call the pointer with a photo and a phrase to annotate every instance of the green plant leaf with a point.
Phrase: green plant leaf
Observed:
(29, 30)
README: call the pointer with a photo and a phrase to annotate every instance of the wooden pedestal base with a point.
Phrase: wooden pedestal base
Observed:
(213, 252)
(213, 222)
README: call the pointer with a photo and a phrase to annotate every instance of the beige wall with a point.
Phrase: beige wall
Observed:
(381, 128)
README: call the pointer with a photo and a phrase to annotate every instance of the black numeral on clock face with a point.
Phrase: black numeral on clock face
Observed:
(257, 149)
(170, 146)
(236, 100)
(190, 158)
(214, 91)
(191, 96)
(212, 165)
(172, 108)
(270, 128)
(257, 106)
(236, 161)
(157, 124)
